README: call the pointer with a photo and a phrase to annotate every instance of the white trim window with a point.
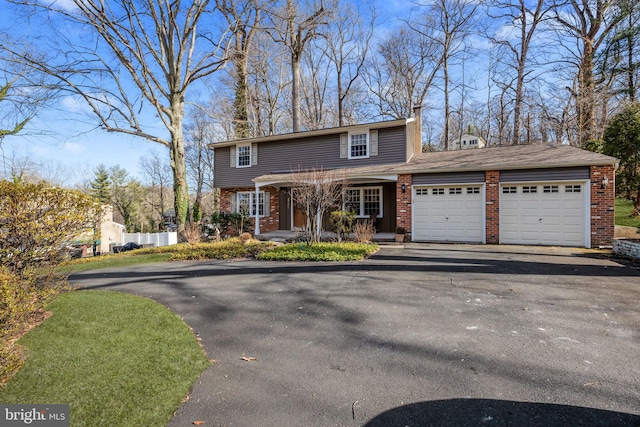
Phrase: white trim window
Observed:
(359, 145)
(364, 201)
(246, 202)
(243, 156)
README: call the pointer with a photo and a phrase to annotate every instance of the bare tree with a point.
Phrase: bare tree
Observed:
(404, 71)
(243, 17)
(517, 46)
(454, 18)
(156, 173)
(347, 44)
(200, 133)
(314, 88)
(142, 52)
(588, 22)
(294, 29)
(316, 191)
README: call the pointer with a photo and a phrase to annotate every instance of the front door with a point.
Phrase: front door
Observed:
(299, 217)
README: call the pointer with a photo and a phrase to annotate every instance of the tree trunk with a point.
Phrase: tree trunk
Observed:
(241, 115)
(447, 113)
(295, 91)
(585, 101)
(178, 164)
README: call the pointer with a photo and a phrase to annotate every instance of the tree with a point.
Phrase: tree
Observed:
(347, 45)
(452, 27)
(404, 71)
(126, 195)
(14, 127)
(622, 140)
(158, 194)
(200, 133)
(589, 22)
(101, 185)
(139, 53)
(316, 191)
(243, 17)
(294, 30)
(526, 21)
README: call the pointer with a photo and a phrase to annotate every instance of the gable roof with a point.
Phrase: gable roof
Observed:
(307, 134)
(534, 156)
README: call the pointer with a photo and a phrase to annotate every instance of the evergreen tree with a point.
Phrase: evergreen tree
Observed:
(101, 185)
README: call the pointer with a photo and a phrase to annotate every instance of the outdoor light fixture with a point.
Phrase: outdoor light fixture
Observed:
(605, 182)
(404, 187)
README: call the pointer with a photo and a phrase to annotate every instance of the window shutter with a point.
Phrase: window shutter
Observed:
(232, 156)
(254, 154)
(373, 143)
(267, 203)
(233, 202)
(344, 145)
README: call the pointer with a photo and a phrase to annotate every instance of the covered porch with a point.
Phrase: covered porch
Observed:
(372, 195)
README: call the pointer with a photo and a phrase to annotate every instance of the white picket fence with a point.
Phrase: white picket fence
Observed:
(156, 239)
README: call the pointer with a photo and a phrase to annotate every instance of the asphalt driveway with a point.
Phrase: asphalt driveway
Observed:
(425, 335)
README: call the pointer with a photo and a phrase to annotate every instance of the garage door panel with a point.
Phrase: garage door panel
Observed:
(454, 216)
(554, 217)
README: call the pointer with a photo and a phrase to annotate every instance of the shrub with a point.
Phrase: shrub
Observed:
(37, 223)
(318, 252)
(192, 233)
(342, 222)
(238, 221)
(245, 237)
(364, 231)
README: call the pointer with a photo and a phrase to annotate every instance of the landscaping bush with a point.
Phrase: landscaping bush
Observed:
(342, 222)
(318, 252)
(364, 231)
(37, 223)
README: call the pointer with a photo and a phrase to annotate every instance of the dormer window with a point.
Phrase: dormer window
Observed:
(243, 156)
(359, 145)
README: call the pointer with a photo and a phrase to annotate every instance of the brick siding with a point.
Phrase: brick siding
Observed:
(403, 202)
(267, 223)
(602, 206)
(492, 208)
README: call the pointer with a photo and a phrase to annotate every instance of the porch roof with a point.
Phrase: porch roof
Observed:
(533, 156)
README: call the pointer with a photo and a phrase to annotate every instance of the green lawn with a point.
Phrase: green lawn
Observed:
(117, 359)
(623, 208)
(112, 261)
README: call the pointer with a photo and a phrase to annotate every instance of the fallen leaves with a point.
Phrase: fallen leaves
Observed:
(248, 359)
(197, 423)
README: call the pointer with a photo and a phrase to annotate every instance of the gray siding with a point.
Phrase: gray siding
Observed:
(448, 178)
(301, 153)
(530, 175)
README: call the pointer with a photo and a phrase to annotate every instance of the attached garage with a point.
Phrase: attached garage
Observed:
(445, 212)
(545, 212)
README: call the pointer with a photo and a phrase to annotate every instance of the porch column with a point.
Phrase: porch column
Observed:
(257, 212)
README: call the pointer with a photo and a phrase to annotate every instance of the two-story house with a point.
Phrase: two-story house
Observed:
(528, 194)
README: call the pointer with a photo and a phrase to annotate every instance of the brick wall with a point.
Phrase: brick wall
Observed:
(602, 206)
(403, 202)
(267, 223)
(492, 179)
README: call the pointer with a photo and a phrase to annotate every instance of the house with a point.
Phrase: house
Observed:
(110, 231)
(467, 141)
(526, 194)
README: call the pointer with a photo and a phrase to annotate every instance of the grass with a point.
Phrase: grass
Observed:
(319, 252)
(111, 261)
(116, 359)
(623, 209)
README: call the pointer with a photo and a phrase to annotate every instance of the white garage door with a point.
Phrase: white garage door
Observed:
(543, 214)
(448, 214)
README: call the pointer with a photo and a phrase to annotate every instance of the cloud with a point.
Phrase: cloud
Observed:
(74, 104)
(73, 147)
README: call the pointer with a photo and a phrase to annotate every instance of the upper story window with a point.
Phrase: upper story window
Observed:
(243, 156)
(358, 145)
